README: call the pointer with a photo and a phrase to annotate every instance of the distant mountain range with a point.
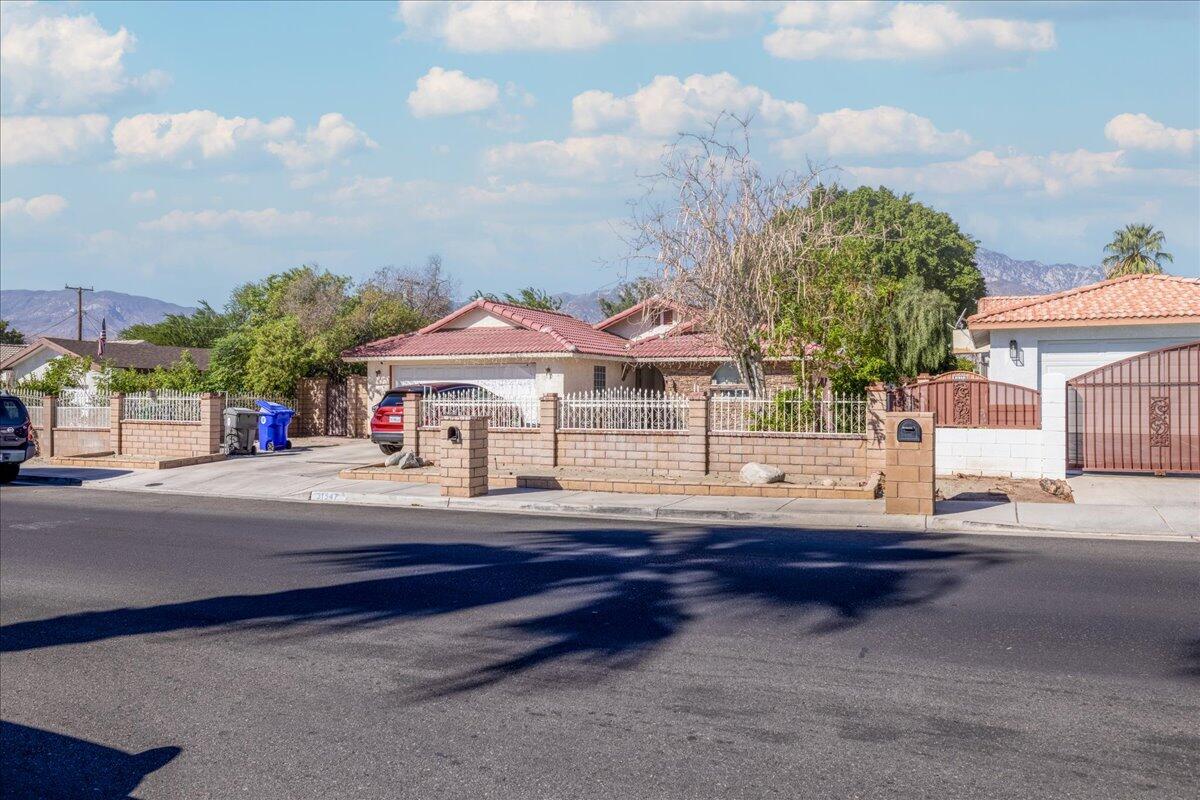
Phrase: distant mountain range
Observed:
(52, 313)
(36, 312)
(1002, 274)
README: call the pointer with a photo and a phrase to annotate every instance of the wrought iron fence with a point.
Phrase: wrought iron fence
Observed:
(33, 402)
(789, 411)
(162, 405)
(82, 408)
(502, 412)
(247, 400)
(623, 409)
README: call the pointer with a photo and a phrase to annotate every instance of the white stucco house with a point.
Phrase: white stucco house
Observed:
(1076, 331)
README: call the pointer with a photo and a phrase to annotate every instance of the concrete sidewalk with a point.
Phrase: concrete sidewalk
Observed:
(310, 475)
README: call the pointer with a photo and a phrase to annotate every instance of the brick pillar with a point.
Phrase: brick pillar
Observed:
(695, 450)
(909, 471)
(49, 420)
(876, 435)
(211, 421)
(412, 422)
(547, 455)
(464, 466)
(116, 410)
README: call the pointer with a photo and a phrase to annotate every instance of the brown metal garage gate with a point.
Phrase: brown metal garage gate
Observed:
(1141, 414)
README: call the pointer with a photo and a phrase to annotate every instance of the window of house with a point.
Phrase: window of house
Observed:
(599, 378)
(726, 373)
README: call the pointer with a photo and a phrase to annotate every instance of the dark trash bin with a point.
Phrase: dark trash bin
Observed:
(273, 420)
(241, 431)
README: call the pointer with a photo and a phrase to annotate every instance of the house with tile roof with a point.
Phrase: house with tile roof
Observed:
(1081, 329)
(517, 352)
(31, 360)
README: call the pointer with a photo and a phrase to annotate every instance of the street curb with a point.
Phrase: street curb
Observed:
(896, 522)
(48, 480)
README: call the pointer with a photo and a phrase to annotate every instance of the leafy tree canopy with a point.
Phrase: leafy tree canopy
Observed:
(198, 329)
(628, 295)
(9, 334)
(529, 297)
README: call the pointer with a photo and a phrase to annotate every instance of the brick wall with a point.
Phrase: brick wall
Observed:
(659, 452)
(309, 419)
(165, 439)
(79, 441)
(688, 377)
(812, 456)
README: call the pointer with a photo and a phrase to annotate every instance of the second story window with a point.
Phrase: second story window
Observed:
(599, 378)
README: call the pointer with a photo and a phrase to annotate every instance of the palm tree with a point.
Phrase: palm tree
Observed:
(1135, 250)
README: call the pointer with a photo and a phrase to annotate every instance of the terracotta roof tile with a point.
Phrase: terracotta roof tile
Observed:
(684, 346)
(1130, 298)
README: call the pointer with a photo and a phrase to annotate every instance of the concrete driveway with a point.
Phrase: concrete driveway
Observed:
(286, 474)
(1135, 490)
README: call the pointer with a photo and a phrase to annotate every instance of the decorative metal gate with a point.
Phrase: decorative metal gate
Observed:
(337, 409)
(965, 400)
(1141, 414)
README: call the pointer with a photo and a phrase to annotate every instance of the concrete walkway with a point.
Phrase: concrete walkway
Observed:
(310, 475)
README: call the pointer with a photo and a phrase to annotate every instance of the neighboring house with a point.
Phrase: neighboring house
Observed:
(520, 352)
(1081, 329)
(33, 359)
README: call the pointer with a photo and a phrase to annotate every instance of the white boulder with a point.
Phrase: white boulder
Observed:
(756, 473)
(409, 460)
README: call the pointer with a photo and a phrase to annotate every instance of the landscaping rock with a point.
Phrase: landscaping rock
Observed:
(409, 460)
(392, 460)
(755, 473)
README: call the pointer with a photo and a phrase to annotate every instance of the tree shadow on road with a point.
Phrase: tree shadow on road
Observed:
(607, 597)
(51, 766)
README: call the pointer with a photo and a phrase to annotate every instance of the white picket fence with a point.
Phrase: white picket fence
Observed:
(502, 412)
(623, 409)
(789, 411)
(163, 405)
(82, 408)
(33, 402)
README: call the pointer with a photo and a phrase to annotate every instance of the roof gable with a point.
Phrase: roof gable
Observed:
(1129, 299)
(124, 355)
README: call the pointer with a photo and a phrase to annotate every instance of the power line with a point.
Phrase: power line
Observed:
(79, 290)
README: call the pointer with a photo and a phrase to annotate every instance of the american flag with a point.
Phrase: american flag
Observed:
(103, 337)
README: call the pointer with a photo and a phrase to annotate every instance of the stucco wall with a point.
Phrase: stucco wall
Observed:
(1075, 350)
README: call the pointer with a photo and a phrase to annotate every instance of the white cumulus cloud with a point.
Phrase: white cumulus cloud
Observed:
(669, 105)
(50, 140)
(925, 31)
(882, 130)
(508, 25)
(143, 196)
(39, 209)
(441, 92)
(593, 157)
(1141, 132)
(332, 138)
(262, 222)
(59, 62)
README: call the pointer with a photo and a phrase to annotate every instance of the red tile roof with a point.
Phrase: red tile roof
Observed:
(680, 347)
(993, 303)
(1130, 299)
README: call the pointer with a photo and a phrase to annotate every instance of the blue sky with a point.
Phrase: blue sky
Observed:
(175, 150)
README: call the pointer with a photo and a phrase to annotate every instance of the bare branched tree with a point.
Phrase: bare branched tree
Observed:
(732, 242)
(427, 290)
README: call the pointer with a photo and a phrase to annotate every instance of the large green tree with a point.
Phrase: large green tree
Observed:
(9, 334)
(628, 295)
(201, 328)
(1134, 250)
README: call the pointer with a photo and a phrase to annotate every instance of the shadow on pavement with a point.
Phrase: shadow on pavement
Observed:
(615, 596)
(36, 763)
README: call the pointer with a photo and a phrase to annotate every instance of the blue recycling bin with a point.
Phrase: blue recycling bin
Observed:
(273, 420)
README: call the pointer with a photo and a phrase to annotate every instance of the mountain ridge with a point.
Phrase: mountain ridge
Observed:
(51, 312)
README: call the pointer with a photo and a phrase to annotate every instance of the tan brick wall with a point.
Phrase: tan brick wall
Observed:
(77, 441)
(909, 470)
(661, 453)
(311, 400)
(358, 400)
(811, 456)
(686, 378)
(166, 439)
(464, 467)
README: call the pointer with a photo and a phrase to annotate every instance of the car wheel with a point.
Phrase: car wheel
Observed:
(9, 472)
(387, 449)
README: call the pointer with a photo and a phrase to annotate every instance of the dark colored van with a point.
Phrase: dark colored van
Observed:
(16, 437)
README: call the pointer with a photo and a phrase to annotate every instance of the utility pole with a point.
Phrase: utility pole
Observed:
(79, 290)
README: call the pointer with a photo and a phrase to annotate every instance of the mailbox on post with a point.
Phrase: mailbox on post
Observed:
(908, 431)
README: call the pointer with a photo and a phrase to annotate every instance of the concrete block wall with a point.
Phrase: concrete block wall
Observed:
(657, 452)
(164, 439)
(311, 400)
(464, 465)
(76, 442)
(812, 456)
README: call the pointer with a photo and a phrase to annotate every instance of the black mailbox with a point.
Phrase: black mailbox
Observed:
(453, 436)
(908, 431)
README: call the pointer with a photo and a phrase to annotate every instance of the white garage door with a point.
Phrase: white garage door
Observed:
(511, 381)
(1077, 356)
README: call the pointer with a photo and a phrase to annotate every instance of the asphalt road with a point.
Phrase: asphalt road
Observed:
(184, 647)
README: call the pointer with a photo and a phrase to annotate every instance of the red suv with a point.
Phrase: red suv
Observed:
(387, 418)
